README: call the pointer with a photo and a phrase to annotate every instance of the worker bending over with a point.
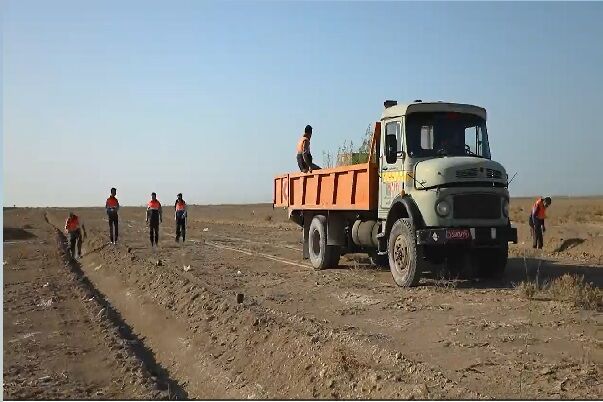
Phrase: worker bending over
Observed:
(112, 206)
(74, 235)
(180, 217)
(536, 221)
(304, 157)
(154, 219)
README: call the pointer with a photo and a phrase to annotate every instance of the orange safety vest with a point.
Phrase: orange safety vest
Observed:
(72, 224)
(154, 204)
(538, 210)
(112, 202)
(180, 205)
(303, 145)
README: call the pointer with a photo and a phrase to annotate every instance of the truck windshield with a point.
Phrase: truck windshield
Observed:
(446, 134)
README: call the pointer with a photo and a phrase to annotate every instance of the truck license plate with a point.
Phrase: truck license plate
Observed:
(458, 234)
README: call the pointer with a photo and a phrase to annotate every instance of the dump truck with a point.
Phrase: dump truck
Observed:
(429, 197)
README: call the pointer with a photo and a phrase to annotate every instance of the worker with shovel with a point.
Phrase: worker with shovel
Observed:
(536, 221)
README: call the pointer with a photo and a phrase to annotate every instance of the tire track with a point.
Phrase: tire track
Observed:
(252, 253)
(277, 245)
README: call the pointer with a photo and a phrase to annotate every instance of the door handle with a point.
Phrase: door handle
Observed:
(384, 168)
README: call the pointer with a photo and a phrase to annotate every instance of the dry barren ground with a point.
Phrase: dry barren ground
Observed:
(128, 322)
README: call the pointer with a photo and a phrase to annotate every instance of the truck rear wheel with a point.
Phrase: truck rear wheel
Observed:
(321, 255)
(403, 254)
(492, 262)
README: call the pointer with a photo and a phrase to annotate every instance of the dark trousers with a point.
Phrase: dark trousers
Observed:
(75, 240)
(113, 227)
(154, 232)
(180, 227)
(536, 229)
(303, 166)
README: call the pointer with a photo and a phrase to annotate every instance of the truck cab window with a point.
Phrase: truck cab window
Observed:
(394, 128)
(427, 137)
(471, 140)
(432, 134)
(476, 143)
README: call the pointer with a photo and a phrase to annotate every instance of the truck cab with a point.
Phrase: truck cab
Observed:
(436, 171)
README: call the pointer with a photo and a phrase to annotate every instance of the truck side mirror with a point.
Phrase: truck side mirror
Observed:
(391, 149)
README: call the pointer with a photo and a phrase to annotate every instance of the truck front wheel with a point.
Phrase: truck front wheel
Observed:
(403, 254)
(321, 255)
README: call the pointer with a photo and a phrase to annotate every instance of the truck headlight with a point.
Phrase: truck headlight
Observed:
(443, 208)
(505, 208)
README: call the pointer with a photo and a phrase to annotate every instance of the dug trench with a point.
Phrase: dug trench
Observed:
(154, 375)
(346, 332)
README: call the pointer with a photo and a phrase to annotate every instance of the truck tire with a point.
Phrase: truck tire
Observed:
(321, 255)
(491, 263)
(403, 254)
(379, 260)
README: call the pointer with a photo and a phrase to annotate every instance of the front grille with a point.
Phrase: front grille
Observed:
(493, 174)
(466, 173)
(476, 206)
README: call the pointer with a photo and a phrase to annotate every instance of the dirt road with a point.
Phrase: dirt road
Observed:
(298, 333)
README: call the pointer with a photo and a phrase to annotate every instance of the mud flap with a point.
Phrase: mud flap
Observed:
(336, 235)
(306, 235)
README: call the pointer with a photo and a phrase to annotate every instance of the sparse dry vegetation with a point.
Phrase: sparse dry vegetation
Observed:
(573, 288)
(527, 289)
(567, 288)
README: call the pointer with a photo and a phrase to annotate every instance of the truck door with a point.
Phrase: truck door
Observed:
(391, 173)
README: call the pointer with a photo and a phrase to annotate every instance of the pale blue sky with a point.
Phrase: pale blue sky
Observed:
(209, 98)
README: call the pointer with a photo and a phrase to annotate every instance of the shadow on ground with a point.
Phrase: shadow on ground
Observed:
(569, 243)
(518, 270)
(529, 269)
(14, 234)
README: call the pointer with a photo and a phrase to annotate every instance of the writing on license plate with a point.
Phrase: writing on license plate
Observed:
(458, 234)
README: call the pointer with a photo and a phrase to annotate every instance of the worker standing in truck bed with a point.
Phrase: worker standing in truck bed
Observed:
(537, 217)
(304, 157)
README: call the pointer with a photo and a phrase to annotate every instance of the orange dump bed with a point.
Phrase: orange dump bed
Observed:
(341, 188)
(353, 187)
